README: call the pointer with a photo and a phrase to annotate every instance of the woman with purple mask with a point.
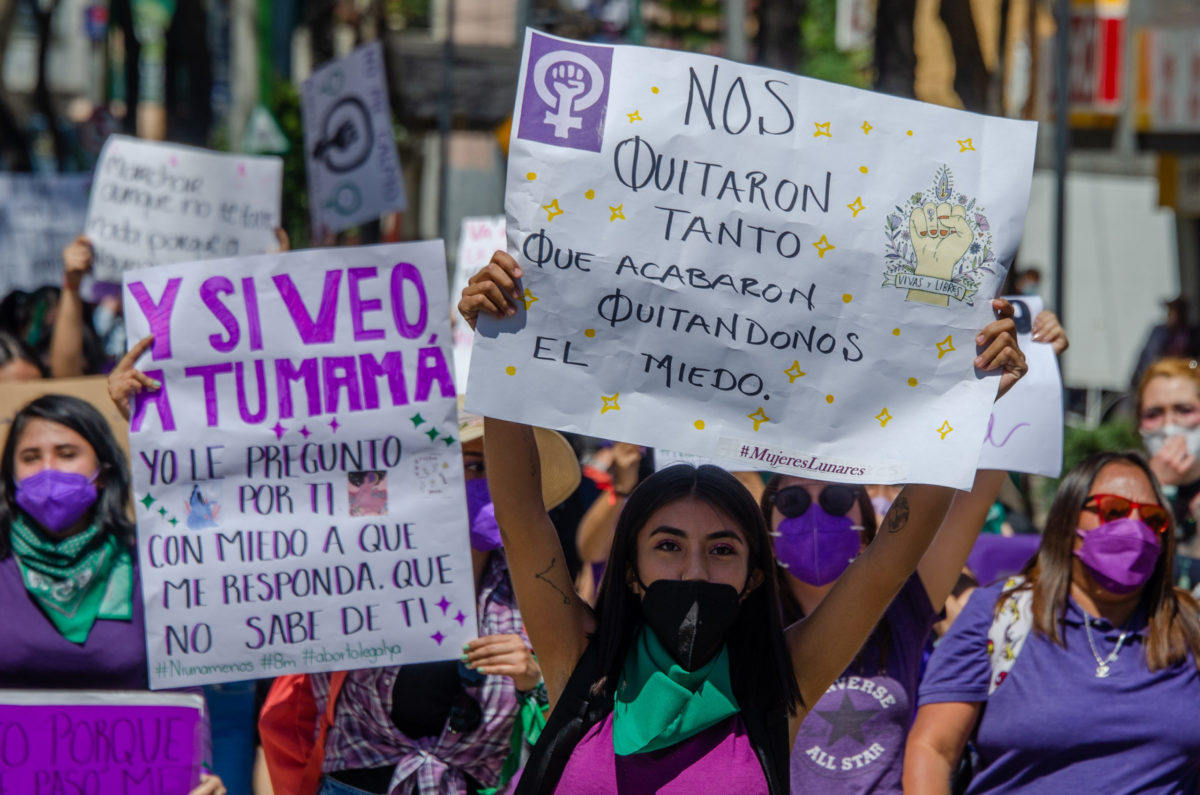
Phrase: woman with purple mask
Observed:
(852, 740)
(1087, 663)
(69, 584)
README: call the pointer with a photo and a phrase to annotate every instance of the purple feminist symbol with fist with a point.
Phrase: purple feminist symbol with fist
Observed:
(566, 93)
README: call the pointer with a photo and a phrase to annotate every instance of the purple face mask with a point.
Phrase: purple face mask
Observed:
(1120, 554)
(481, 513)
(55, 499)
(816, 547)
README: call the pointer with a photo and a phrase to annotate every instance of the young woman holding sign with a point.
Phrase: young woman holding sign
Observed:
(72, 607)
(684, 674)
(853, 739)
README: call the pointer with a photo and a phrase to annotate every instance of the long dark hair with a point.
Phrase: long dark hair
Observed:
(792, 609)
(86, 421)
(760, 664)
(1174, 625)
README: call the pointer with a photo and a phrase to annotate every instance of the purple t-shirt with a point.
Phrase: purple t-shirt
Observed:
(718, 759)
(852, 740)
(34, 655)
(1052, 726)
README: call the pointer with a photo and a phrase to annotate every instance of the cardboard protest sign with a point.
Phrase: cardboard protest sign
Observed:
(93, 389)
(40, 214)
(298, 478)
(479, 238)
(1025, 431)
(350, 148)
(155, 203)
(749, 265)
(65, 741)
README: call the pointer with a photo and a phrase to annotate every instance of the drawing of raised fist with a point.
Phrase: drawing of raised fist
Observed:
(567, 82)
(940, 236)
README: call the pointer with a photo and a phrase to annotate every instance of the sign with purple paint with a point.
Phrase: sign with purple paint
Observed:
(100, 742)
(1025, 431)
(153, 203)
(565, 98)
(750, 266)
(298, 476)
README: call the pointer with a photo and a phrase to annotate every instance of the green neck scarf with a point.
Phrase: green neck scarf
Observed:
(660, 704)
(75, 580)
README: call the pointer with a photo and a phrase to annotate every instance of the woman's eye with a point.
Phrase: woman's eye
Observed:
(724, 549)
(667, 546)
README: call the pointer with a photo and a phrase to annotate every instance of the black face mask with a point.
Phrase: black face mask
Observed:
(690, 617)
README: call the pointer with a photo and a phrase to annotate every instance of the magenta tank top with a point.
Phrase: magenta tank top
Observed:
(719, 758)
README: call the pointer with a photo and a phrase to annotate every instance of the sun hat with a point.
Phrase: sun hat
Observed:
(560, 467)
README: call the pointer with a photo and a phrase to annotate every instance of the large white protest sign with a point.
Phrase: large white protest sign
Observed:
(40, 214)
(1025, 431)
(155, 203)
(298, 477)
(350, 149)
(749, 265)
(479, 238)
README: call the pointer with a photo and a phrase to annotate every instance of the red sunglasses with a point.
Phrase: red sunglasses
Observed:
(1110, 507)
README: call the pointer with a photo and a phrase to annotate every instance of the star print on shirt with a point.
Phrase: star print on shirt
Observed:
(846, 721)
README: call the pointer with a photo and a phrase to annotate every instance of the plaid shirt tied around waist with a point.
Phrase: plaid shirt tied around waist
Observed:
(364, 736)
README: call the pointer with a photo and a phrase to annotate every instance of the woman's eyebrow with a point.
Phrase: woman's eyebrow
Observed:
(726, 534)
(668, 530)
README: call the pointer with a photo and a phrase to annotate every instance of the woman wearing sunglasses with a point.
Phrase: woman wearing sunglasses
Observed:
(853, 738)
(1087, 664)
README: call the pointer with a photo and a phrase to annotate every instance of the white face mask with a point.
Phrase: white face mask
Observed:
(1154, 440)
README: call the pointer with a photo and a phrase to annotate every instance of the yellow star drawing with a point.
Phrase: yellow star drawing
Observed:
(965, 145)
(856, 206)
(866, 128)
(552, 209)
(529, 298)
(617, 212)
(822, 129)
(635, 116)
(610, 402)
(883, 417)
(794, 372)
(823, 245)
(759, 418)
(945, 346)
(945, 429)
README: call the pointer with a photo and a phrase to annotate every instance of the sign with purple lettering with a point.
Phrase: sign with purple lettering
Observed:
(565, 94)
(750, 266)
(350, 150)
(153, 203)
(79, 741)
(1025, 431)
(298, 476)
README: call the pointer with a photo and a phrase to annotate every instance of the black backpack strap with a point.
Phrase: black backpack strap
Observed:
(768, 733)
(573, 715)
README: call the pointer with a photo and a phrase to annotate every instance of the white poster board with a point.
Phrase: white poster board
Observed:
(350, 148)
(480, 237)
(40, 214)
(1025, 431)
(156, 203)
(298, 478)
(748, 265)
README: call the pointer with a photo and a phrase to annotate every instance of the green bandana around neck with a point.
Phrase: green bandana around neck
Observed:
(76, 580)
(659, 703)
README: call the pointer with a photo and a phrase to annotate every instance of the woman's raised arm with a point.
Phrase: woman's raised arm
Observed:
(823, 644)
(556, 619)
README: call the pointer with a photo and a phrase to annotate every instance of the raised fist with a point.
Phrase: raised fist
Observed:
(940, 236)
(567, 82)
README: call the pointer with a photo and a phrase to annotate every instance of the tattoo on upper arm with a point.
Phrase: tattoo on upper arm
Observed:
(541, 575)
(897, 516)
